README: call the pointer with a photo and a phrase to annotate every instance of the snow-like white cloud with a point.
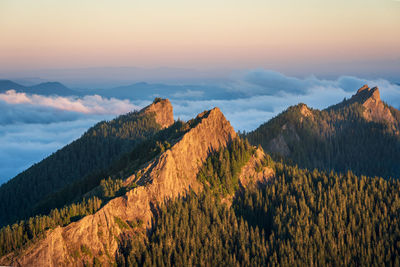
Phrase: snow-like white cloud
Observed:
(24, 144)
(248, 113)
(267, 82)
(269, 93)
(91, 104)
(189, 94)
(34, 126)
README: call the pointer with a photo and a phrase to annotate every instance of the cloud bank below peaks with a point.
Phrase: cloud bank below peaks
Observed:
(34, 126)
(90, 104)
(267, 93)
(268, 82)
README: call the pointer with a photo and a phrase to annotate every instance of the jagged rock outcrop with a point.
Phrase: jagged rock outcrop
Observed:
(375, 109)
(168, 176)
(254, 172)
(163, 110)
(305, 111)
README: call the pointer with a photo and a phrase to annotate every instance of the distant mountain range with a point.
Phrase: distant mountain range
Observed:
(145, 90)
(47, 88)
(142, 90)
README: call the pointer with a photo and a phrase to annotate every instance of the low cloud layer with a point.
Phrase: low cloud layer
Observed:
(249, 113)
(32, 126)
(91, 104)
(25, 144)
(269, 93)
(267, 82)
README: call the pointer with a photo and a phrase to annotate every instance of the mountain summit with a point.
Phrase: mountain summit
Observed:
(163, 111)
(374, 109)
(365, 93)
(342, 137)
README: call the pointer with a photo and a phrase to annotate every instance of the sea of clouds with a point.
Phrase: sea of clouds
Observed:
(34, 126)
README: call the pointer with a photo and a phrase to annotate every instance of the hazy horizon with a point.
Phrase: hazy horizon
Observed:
(358, 37)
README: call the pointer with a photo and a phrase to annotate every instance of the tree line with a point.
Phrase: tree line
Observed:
(299, 218)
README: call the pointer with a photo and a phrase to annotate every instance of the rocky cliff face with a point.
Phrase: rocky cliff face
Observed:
(168, 176)
(252, 173)
(375, 109)
(162, 108)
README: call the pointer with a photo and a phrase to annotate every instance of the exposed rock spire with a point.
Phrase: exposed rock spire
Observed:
(366, 93)
(163, 111)
(375, 110)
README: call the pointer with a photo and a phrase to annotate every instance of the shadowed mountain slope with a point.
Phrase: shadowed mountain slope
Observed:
(360, 134)
(92, 153)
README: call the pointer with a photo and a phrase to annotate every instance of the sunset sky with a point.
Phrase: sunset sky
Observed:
(284, 35)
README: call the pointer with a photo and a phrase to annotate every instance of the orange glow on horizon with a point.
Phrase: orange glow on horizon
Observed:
(97, 33)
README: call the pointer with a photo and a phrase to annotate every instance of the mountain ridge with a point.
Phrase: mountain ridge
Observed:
(369, 98)
(195, 193)
(95, 150)
(338, 138)
(45, 88)
(168, 176)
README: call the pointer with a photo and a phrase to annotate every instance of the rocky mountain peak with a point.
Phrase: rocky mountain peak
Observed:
(366, 93)
(163, 111)
(375, 109)
(365, 87)
(305, 111)
(214, 113)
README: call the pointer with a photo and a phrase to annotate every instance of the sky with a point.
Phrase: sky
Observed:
(297, 37)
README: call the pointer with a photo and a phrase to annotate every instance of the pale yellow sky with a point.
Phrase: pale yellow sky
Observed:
(184, 33)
